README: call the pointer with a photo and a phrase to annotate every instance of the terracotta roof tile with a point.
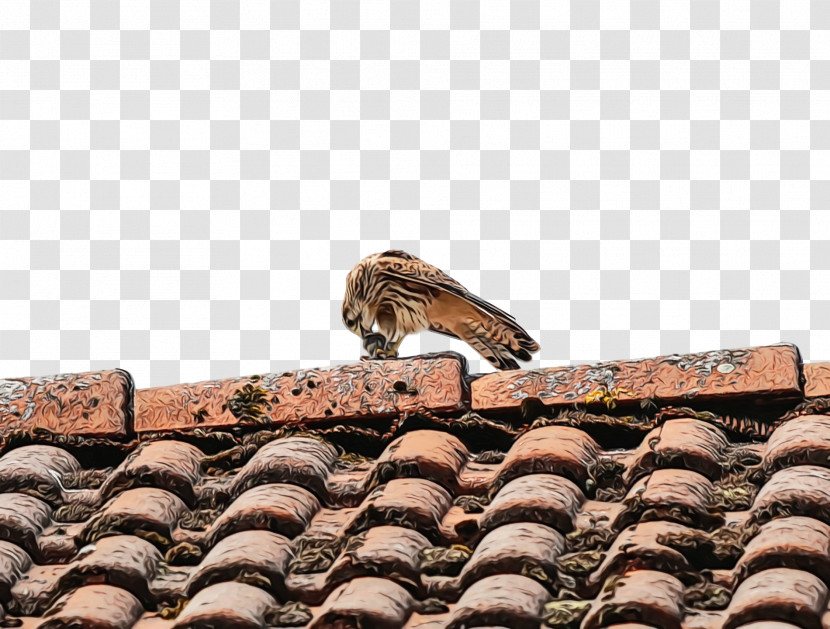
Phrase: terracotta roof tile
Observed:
(800, 490)
(779, 594)
(143, 511)
(302, 461)
(413, 502)
(232, 556)
(546, 498)
(620, 515)
(503, 599)
(684, 442)
(123, 560)
(673, 495)
(22, 520)
(14, 562)
(37, 470)
(388, 550)
(95, 404)
(817, 380)
(807, 547)
(799, 441)
(95, 607)
(170, 465)
(368, 390)
(366, 602)
(561, 450)
(513, 548)
(284, 509)
(772, 371)
(656, 598)
(228, 604)
(435, 456)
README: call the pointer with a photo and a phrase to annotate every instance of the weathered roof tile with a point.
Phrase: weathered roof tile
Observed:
(144, 511)
(511, 600)
(778, 594)
(755, 373)
(655, 598)
(299, 460)
(816, 380)
(365, 602)
(368, 390)
(552, 500)
(228, 604)
(284, 509)
(233, 557)
(94, 404)
(170, 465)
(95, 607)
(789, 542)
(801, 440)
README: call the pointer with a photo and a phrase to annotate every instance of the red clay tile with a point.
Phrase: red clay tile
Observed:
(428, 454)
(22, 519)
(170, 465)
(551, 500)
(366, 390)
(382, 550)
(817, 379)
(95, 607)
(685, 443)
(762, 372)
(233, 556)
(511, 600)
(365, 602)
(513, 548)
(284, 509)
(647, 596)
(638, 547)
(800, 490)
(561, 450)
(37, 470)
(35, 591)
(419, 503)
(230, 604)
(14, 562)
(674, 495)
(125, 561)
(799, 441)
(300, 460)
(778, 594)
(789, 543)
(136, 511)
(94, 404)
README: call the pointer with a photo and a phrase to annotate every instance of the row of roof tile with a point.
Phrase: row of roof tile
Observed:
(105, 405)
(454, 537)
(176, 526)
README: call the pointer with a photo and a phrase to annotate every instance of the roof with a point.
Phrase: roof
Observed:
(681, 492)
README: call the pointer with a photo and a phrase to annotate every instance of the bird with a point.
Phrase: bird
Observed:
(392, 294)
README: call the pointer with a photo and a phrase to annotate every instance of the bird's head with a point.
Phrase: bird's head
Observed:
(351, 319)
(355, 316)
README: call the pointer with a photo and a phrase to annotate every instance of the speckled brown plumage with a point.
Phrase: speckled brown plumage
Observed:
(393, 294)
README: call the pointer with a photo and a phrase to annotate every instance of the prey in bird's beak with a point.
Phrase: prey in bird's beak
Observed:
(375, 345)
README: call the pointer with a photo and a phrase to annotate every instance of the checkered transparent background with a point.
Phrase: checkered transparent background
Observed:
(184, 184)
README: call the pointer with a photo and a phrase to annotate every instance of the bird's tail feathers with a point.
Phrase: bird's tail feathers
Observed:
(500, 341)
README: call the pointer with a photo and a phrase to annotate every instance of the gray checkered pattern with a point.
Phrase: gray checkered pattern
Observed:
(184, 184)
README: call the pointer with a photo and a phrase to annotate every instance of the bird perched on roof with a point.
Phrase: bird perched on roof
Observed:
(392, 294)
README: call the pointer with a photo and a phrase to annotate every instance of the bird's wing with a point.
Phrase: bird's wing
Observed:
(437, 327)
(409, 268)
